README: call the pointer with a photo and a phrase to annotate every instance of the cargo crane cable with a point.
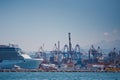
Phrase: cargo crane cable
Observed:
(40, 52)
(93, 51)
(113, 53)
(65, 51)
(54, 51)
(114, 56)
(77, 48)
(37, 54)
(65, 48)
(99, 52)
(77, 53)
(55, 47)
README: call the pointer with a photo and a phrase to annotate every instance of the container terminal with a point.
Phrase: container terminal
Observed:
(72, 59)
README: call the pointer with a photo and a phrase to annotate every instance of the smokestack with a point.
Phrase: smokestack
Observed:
(70, 46)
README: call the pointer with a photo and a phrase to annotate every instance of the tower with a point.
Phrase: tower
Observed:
(70, 45)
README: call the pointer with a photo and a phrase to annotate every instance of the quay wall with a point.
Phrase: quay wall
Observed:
(39, 70)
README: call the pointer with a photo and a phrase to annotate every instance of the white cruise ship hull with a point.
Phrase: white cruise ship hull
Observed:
(24, 64)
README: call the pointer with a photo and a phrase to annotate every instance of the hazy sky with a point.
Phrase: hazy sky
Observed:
(30, 23)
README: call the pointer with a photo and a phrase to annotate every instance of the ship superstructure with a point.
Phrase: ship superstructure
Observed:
(11, 55)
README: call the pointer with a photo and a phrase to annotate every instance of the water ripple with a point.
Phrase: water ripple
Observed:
(58, 76)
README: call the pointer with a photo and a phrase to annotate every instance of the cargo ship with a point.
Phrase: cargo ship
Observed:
(11, 56)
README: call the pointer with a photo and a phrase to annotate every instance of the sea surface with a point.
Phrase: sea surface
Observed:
(59, 76)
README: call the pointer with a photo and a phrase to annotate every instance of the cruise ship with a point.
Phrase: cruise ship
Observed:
(11, 56)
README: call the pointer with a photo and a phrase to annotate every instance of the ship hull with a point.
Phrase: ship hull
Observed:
(24, 64)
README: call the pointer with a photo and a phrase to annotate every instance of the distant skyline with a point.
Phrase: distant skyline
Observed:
(32, 23)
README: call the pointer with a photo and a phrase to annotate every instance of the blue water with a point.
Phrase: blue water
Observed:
(59, 76)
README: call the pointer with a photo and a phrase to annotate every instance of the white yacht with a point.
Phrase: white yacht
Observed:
(11, 55)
